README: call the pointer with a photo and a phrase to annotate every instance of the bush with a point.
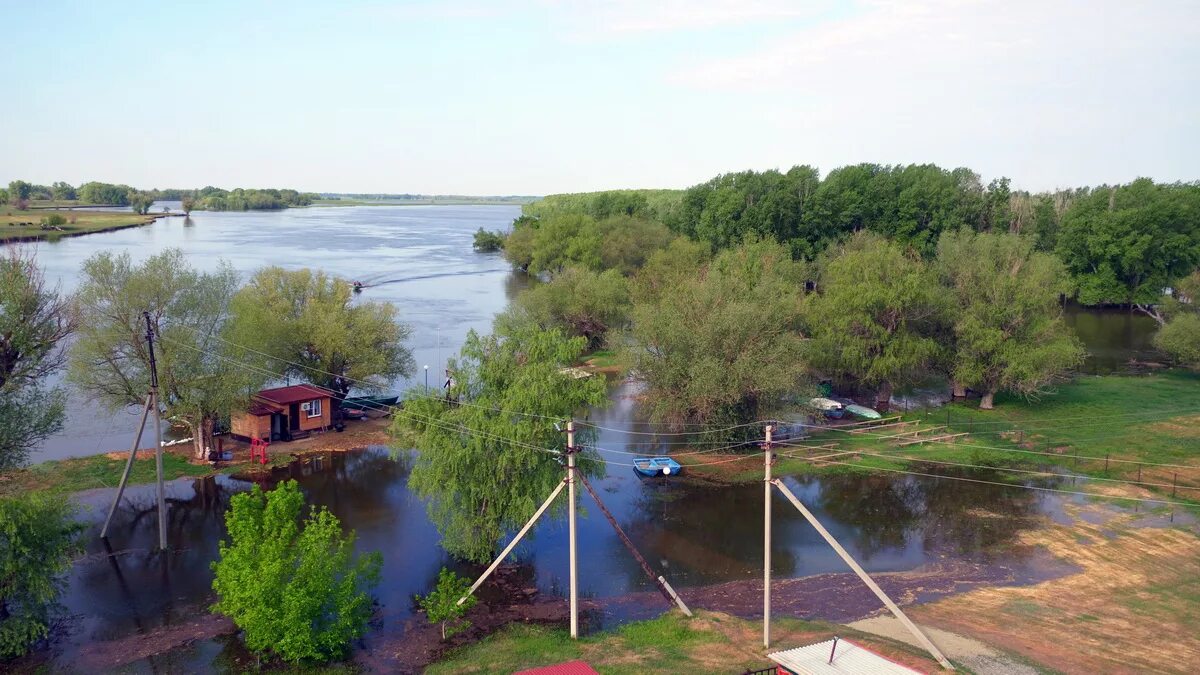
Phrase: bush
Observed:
(487, 242)
(55, 220)
(38, 538)
(441, 605)
(295, 588)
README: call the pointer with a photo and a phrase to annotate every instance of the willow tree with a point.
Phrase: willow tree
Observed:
(488, 452)
(35, 321)
(199, 379)
(1008, 330)
(1179, 322)
(306, 324)
(879, 316)
(723, 341)
(581, 302)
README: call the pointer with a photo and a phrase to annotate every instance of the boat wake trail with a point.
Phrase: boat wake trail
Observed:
(421, 277)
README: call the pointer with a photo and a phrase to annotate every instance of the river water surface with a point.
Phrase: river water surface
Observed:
(693, 533)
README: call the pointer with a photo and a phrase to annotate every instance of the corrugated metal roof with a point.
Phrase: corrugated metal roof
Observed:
(568, 668)
(294, 393)
(849, 658)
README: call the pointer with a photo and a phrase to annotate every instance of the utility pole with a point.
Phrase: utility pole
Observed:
(571, 527)
(767, 538)
(158, 449)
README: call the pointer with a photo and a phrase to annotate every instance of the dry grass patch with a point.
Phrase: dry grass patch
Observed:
(1134, 608)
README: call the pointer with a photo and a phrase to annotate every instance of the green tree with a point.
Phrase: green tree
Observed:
(18, 193)
(1008, 331)
(187, 204)
(62, 191)
(1125, 244)
(487, 242)
(580, 301)
(723, 342)
(306, 323)
(483, 466)
(441, 605)
(141, 203)
(878, 317)
(1180, 338)
(35, 321)
(38, 540)
(294, 587)
(105, 194)
(199, 381)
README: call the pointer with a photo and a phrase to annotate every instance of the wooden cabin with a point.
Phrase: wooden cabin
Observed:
(284, 414)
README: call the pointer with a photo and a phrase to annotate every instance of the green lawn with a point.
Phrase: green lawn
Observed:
(98, 471)
(1151, 418)
(16, 224)
(672, 643)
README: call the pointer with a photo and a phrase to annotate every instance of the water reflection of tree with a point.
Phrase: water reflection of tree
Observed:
(967, 519)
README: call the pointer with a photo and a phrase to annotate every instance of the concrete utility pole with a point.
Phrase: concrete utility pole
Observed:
(571, 527)
(137, 440)
(767, 538)
(158, 446)
(899, 614)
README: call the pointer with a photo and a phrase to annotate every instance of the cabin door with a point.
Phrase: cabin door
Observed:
(276, 426)
(294, 417)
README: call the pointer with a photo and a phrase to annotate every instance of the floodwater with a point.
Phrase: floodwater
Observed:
(420, 258)
(692, 533)
(417, 257)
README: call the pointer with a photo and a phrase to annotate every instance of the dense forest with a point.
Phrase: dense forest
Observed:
(730, 296)
(22, 194)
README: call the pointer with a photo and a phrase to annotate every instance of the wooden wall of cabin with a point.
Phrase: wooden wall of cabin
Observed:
(247, 426)
(322, 421)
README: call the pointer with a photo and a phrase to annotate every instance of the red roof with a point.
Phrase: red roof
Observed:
(294, 394)
(260, 410)
(568, 668)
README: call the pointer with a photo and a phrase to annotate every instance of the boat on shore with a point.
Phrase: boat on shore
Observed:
(829, 407)
(862, 412)
(370, 402)
(657, 466)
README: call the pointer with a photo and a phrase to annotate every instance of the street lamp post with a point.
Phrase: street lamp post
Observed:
(426, 379)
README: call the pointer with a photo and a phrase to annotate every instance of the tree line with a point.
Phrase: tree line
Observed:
(1121, 244)
(20, 194)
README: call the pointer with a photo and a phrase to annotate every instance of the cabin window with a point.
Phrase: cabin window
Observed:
(313, 408)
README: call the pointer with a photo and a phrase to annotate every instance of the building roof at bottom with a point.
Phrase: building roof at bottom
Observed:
(849, 658)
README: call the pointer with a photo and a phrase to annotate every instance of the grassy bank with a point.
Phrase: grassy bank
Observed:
(26, 225)
(1096, 426)
(98, 471)
(672, 643)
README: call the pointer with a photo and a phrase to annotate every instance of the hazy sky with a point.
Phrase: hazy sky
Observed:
(535, 97)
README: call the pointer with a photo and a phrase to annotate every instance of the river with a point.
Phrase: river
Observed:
(695, 534)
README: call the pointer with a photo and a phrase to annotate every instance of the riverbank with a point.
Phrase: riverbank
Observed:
(1135, 435)
(25, 226)
(104, 470)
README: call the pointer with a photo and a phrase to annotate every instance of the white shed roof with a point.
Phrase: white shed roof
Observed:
(849, 658)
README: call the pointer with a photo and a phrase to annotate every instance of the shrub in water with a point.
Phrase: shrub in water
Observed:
(441, 605)
(294, 588)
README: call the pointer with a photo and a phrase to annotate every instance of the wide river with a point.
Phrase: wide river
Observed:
(420, 258)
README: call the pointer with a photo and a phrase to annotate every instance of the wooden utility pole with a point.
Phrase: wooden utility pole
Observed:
(571, 527)
(767, 538)
(158, 449)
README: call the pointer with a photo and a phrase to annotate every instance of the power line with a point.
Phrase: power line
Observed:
(1011, 469)
(1012, 485)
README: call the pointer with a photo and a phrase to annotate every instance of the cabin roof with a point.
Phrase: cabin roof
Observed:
(294, 394)
(849, 658)
(568, 668)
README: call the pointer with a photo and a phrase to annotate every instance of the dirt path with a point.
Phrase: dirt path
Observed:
(972, 653)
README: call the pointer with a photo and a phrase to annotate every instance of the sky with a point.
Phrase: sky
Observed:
(544, 96)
